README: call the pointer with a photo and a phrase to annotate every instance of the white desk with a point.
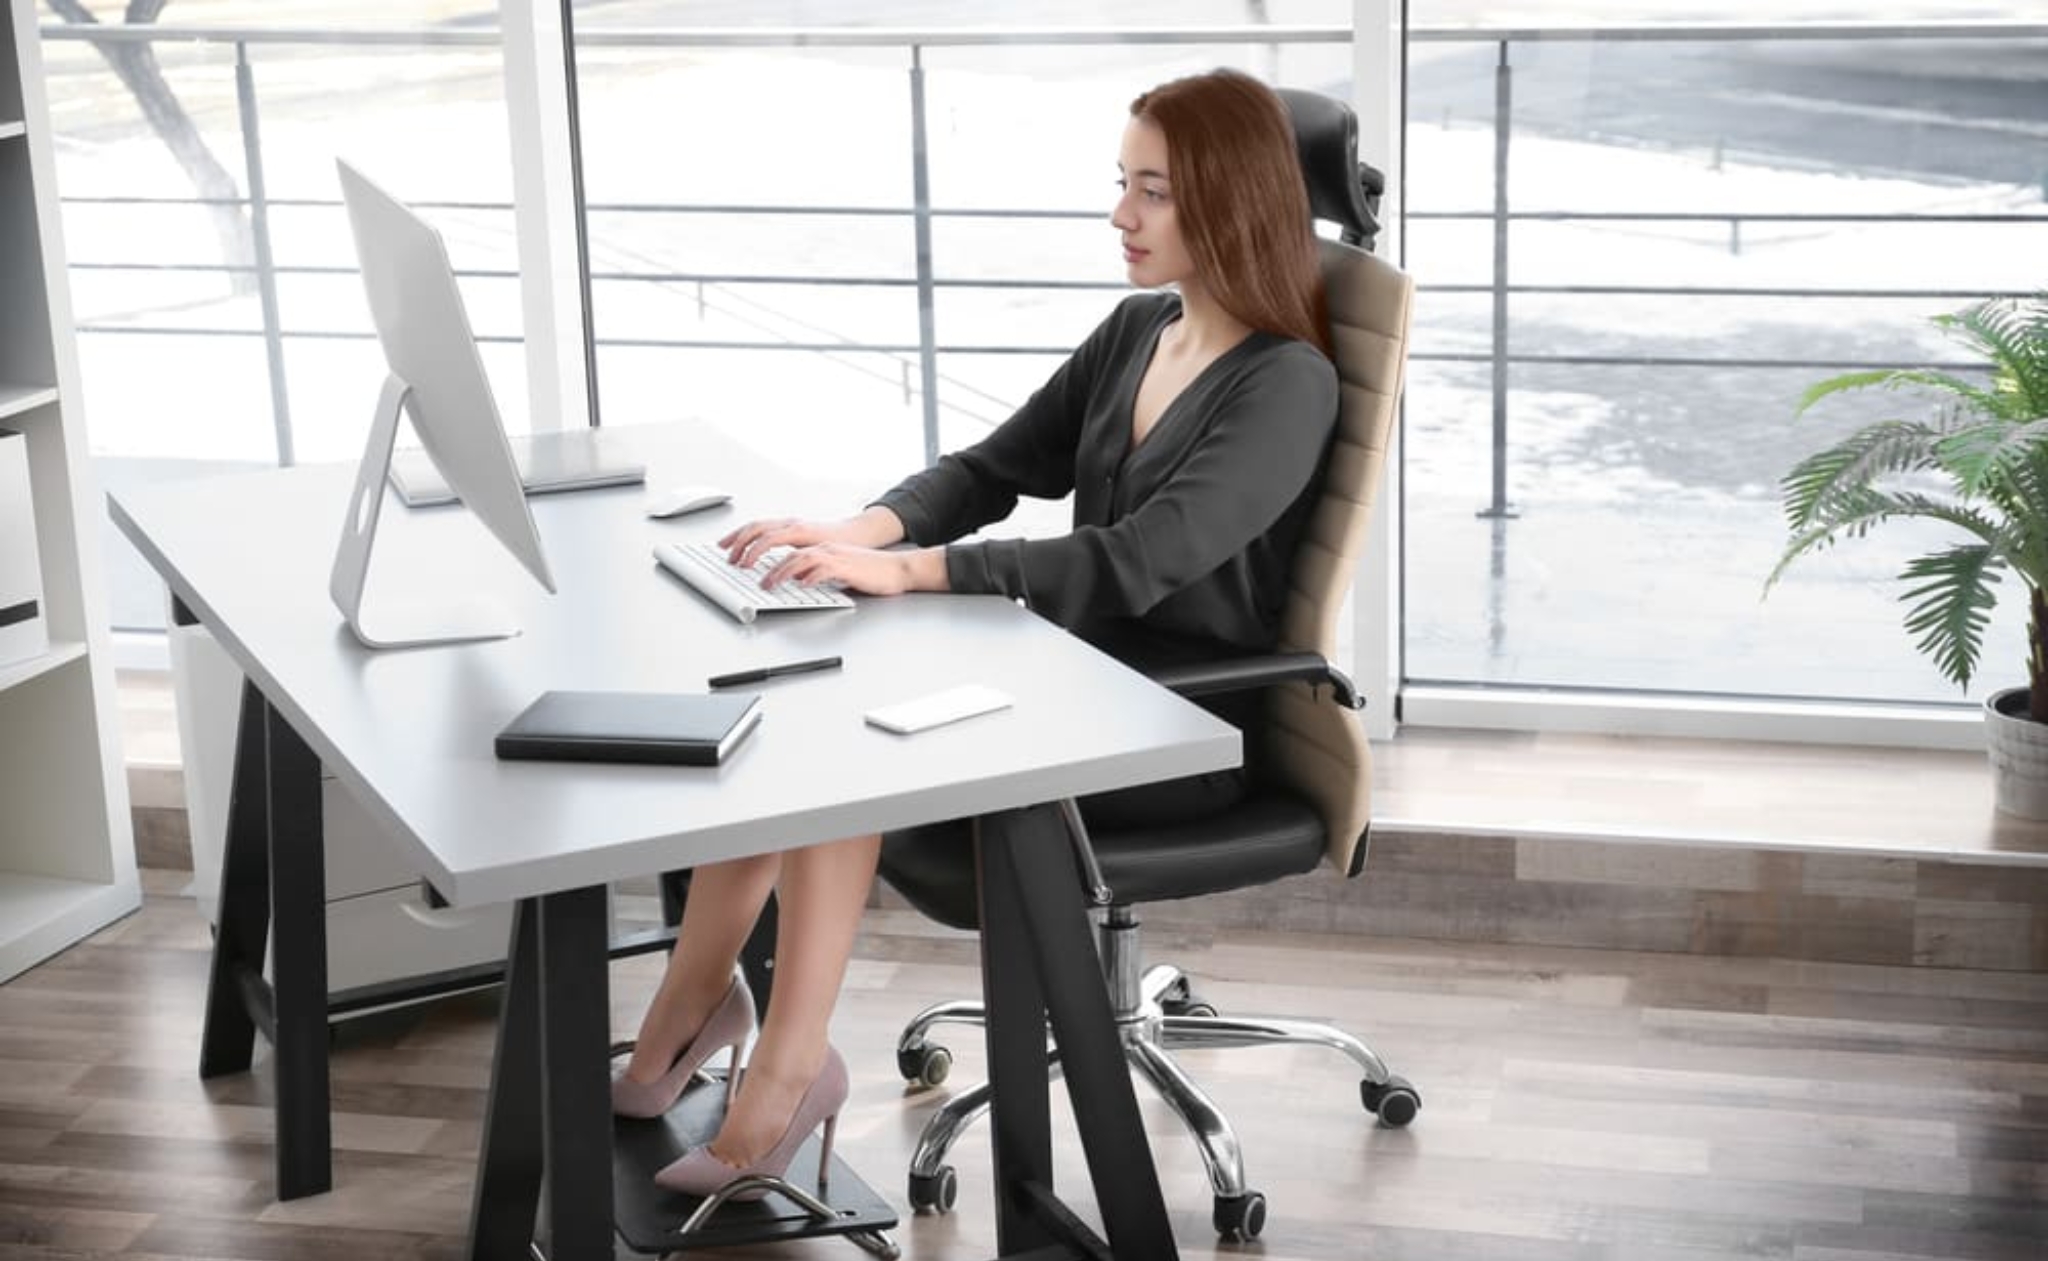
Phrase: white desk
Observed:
(410, 733)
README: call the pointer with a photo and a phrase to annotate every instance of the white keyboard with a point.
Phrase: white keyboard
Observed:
(739, 591)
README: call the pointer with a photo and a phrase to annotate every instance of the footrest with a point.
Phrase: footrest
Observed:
(650, 1218)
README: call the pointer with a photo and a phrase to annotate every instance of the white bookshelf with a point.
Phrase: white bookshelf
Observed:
(61, 653)
(67, 848)
(16, 399)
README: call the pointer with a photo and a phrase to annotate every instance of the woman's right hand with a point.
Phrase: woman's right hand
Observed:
(876, 527)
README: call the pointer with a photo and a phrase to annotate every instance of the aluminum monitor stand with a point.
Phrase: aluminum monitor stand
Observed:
(402, 623)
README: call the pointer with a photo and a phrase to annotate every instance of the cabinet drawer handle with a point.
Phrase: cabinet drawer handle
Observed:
(443, 920)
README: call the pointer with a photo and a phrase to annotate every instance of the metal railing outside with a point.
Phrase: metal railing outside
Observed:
(926, 278)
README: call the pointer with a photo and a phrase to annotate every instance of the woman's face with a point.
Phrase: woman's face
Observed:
(1154, 254)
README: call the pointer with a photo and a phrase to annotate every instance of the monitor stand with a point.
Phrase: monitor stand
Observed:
(398, 623)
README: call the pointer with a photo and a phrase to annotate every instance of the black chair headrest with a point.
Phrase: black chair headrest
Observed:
(1340, 187)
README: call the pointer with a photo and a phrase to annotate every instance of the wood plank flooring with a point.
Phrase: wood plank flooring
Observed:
(1578, 1105)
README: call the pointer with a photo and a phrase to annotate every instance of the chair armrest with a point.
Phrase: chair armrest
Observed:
(1238, 674)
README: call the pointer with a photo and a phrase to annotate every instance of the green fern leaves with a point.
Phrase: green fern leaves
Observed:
(1977, 461)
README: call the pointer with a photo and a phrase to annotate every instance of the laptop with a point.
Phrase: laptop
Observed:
(573, 459)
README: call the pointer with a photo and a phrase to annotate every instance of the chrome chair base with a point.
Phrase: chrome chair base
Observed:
(1156, 1013)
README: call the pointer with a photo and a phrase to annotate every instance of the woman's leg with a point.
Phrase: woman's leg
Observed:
(725, 899)
(821, 893)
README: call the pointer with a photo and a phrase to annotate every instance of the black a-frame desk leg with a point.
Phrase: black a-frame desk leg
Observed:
(1039, 965)
(273, 889)
(545, 1173)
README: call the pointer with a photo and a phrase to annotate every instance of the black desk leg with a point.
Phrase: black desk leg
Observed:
(1013, 994)
(273, 880)
(298, 935)
(508, 1177)
(243, 933)
(1038, 959)
(547, 1128)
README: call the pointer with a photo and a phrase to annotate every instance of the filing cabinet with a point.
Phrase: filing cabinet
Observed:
(380, 926)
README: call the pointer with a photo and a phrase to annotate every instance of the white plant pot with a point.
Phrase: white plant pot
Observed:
(2019, 755)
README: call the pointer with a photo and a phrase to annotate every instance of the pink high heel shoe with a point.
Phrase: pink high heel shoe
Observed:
(700, 1173)
(727, 1026)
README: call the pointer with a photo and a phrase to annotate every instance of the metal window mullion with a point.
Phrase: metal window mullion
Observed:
(1371, 637)
(555, 324)
(265, 262)
(921, 202)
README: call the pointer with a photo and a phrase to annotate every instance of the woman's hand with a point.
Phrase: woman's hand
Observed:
(867, 570)
(876, 527)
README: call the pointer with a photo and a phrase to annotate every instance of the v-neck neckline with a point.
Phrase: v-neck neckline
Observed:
(1135, 383)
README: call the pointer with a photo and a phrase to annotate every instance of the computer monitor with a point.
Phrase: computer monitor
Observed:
(437, 377)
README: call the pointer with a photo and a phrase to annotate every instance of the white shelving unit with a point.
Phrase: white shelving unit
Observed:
(67, 846)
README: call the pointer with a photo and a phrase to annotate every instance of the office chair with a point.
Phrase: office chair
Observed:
(1313, 805)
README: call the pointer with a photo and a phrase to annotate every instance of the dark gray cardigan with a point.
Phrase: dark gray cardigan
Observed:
(1179, 547)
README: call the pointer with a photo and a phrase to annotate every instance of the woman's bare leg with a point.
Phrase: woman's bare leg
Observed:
(725, 899)
(821, 893)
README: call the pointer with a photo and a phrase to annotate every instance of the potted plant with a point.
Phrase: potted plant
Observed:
(1976, 459)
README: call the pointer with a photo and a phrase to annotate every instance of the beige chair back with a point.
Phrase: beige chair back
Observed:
(1318, 746)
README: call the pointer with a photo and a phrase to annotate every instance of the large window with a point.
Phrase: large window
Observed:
(768, 264)
(865, 242)
(1636, 249)
(221, 325)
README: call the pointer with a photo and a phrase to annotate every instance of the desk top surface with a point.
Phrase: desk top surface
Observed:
(410, 731)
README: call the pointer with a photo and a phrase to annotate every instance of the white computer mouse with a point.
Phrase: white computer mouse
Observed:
(677, 500)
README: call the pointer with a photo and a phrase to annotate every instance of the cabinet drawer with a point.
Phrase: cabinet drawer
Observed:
(361, 857)
(390, 935)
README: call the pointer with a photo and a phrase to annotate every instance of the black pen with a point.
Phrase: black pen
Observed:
(766, 673)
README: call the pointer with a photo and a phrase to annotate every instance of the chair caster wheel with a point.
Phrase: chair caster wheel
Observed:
(1239, 1218)
(934, 1193)
(924, 1064)
(1396, 1102)
(1180, 1000)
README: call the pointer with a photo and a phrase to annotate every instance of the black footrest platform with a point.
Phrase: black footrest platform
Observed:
(650, 1218)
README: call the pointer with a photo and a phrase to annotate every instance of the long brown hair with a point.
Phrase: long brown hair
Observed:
(1243, 207)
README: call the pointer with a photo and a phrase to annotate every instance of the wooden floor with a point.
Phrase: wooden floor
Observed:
(1577, 1104)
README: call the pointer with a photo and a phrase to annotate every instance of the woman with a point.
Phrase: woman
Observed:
(1190, 429)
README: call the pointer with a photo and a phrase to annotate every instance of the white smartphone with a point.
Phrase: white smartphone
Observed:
(938, 709)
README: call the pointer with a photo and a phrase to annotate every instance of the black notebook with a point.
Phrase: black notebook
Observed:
(679, 728)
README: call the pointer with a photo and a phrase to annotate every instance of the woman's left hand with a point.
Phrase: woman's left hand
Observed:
(866, 570)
